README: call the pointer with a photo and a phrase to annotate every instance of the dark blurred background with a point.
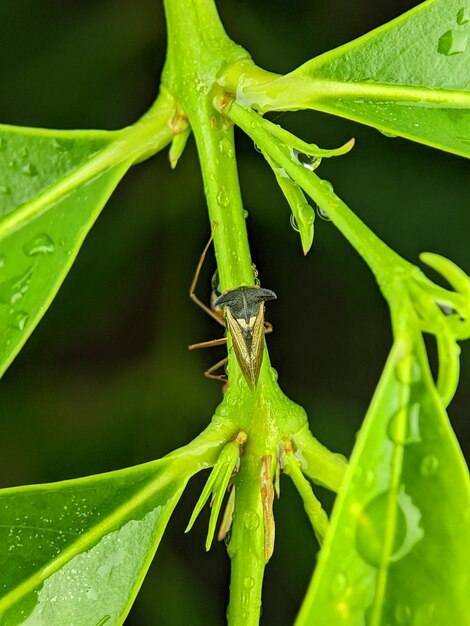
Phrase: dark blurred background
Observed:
(106, 380)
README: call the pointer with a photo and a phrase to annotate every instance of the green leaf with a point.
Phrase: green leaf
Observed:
(410, 77)
(46, 212)
(76, 552)
(397, 550)
(53, 185)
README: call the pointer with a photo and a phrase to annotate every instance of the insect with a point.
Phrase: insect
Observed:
(244, 314)
(243, 310)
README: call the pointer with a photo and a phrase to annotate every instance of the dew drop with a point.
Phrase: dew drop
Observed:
(274, 374)
(408, 370)
(327, 185)
(387, 133)
(225, 147)
(366, 477)
(280, 171)
(323, 215)
(306, 214)
(222, 197)
(402, 614)
(19, 320)
(245, 213)
(248, 582)
(446, 309)
(308, 161)
(92, 594)
(42, 244)
(14, 289)
(403, 427)
(222, 411)
(257, 148)
(463, 16)
(338, 584)
(251, 520)
(372, 529)
(452, 42)
(428, 466)
(293, 223)
(29, 170)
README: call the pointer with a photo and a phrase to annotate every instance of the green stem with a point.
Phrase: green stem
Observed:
(375, 252)
(216, 147)
(246, 547)
(317, 462)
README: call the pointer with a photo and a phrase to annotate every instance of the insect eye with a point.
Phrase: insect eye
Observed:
(216, 284)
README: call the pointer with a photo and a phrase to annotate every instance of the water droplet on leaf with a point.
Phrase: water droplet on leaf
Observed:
(463, 16)
(446, 309)
(306, 214)
(408, 370)
(428, 466)
(323, 215)
(308, 161)
(402, 614)
(293, 223)
(372, 529)
(387, 133)
(245, 214)
(257, 148)
(403, 427)
(452, 42)
(19, 320)
(13, 289)
(338, 584)
(327, 185)
(29, 170)
(42, 244)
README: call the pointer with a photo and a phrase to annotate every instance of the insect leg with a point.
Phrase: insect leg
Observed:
(268, 328)
(209, 373)
(217, 316)
(208, 344)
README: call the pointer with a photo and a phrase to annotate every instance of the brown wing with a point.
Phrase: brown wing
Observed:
(242, 351)
(248, 349)
(257, 346)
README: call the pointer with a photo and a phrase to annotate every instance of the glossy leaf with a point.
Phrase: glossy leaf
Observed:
(53, 185)
(410, 77)
(76, 552)
(397, 550)
(46, 212)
